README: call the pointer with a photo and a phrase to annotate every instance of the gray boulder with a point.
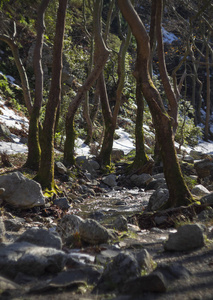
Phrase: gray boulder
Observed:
(93, 233)
(204, 167)
(41, 237)
(30, 259)
(14, 224)
(110, 180)
(62, 203)
(206, 214)
(122, 268)
(188, 237)
(199, 190)
(87, 164)
(120, 224)
(68, 225)
(20, 191)
(207, 199)
(173, 271)
(141, 180)
(5, 133)
(158, 199)
(154, 282)
(60, 168)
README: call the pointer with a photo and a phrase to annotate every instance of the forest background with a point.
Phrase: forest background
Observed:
(98, 88)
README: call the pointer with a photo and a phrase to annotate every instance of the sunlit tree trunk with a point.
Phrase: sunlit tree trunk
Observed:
(34, 150)
(46, 170)
(178, 191)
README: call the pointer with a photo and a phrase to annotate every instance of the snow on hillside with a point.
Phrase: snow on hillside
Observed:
(13, 120)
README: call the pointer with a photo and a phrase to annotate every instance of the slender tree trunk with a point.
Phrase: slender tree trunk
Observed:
(173, 105)
(100, 58)
(34, 150)
(140, 164)
(110, 119)
(22, 73)
(178, 191)
(206, 132)
(46, 170)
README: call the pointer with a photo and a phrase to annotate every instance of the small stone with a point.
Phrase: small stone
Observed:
(110, 180)
(13, 224)
(62, 203)
(60, 168)
(120, 224)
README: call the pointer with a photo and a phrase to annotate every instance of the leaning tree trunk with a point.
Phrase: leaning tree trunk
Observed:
(46, 170)
(34, 150)
(178, 191)
(170, 94)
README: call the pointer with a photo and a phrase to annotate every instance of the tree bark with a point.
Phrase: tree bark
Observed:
(46, 170)
(34, 150)
(208, 92)
(100, 61)
(140, 164)
(22, 73)
(173, 105)
(178, 191)
(110, 118)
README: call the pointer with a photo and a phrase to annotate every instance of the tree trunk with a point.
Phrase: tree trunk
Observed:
(179, 193)
(46, 170)
(173, 105)
(141, 159)
(110, 119)
(206, 132)
(22, 73)
(34, 150)
(101, 56)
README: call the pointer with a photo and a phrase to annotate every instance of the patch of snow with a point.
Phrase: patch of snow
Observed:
(10, 78)
(124, 143)
(81, 149)
(12, 148)
(11, 119)
(168, 37)
(204, 147)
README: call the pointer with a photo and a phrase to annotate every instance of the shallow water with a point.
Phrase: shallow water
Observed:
(108, 206)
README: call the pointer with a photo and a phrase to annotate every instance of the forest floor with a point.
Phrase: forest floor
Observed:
(197, 286)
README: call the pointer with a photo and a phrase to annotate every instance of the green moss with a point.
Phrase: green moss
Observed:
(50, 193)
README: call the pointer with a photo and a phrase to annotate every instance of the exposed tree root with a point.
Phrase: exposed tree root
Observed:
(168, 218)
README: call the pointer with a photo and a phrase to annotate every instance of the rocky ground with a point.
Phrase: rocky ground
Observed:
(92, 242)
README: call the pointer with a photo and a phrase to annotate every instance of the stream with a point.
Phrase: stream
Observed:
(107, 207)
